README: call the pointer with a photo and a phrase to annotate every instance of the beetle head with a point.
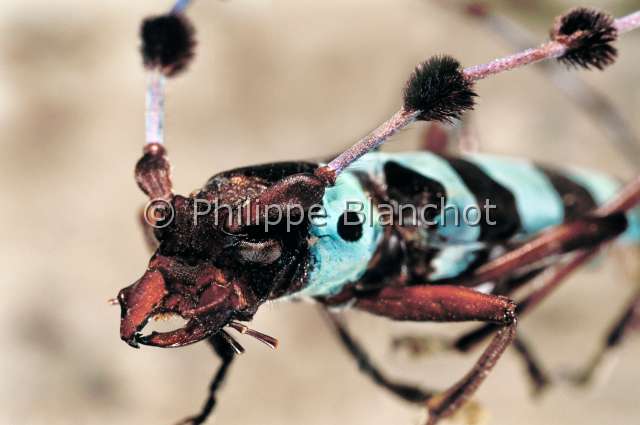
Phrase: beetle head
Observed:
(200, 293)
(216, 262)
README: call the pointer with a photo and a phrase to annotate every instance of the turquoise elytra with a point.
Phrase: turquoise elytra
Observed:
(335, 261)
(602, 188)
(454, 260)
(451, 226)
(538, 203)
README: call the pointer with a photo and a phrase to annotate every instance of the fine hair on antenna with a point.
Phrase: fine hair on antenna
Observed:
(440, 90)
(588, 34)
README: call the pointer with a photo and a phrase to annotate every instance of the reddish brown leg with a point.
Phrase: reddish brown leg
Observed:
(406, 392)
(588, 233)
(419, 345)
(224, 348)
(585, 233)
(538, 377)
(606, 223)
(427, 344)
(449, 304)
(627, 322)
(473, 338)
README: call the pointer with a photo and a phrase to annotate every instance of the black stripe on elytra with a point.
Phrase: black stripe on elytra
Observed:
(407, 186)
(388, 261)
(576, 199)
(486, 190)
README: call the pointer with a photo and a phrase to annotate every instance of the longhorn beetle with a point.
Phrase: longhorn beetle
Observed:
(224, 250)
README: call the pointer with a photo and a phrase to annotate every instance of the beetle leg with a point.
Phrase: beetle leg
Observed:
(538, 377)
(471, 339)
(406, 392)
(628, 321)
(418, 345)
(421, 345)
(587, 233)
(227, 353)
(449, 304)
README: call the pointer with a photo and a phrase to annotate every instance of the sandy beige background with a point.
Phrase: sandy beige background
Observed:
(272, 80)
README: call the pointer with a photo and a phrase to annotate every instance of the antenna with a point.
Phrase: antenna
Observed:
(441, 90)
(167, 49)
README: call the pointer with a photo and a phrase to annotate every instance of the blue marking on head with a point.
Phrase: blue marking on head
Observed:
(335, 261)
(539, 204)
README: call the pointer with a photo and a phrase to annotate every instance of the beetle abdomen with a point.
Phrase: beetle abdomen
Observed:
(476, 202)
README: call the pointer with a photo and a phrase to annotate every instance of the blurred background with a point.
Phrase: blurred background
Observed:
(273, 80)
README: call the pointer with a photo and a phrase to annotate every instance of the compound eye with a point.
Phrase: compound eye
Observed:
(260, 252)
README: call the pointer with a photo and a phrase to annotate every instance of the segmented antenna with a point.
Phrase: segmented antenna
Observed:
(167, 49)
(592, 101)
(588, 35)
(268, 340)
(440, 90)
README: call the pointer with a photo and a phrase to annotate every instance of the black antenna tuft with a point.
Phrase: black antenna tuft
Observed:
(438, 89)
(167, 43)
(588, 34)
